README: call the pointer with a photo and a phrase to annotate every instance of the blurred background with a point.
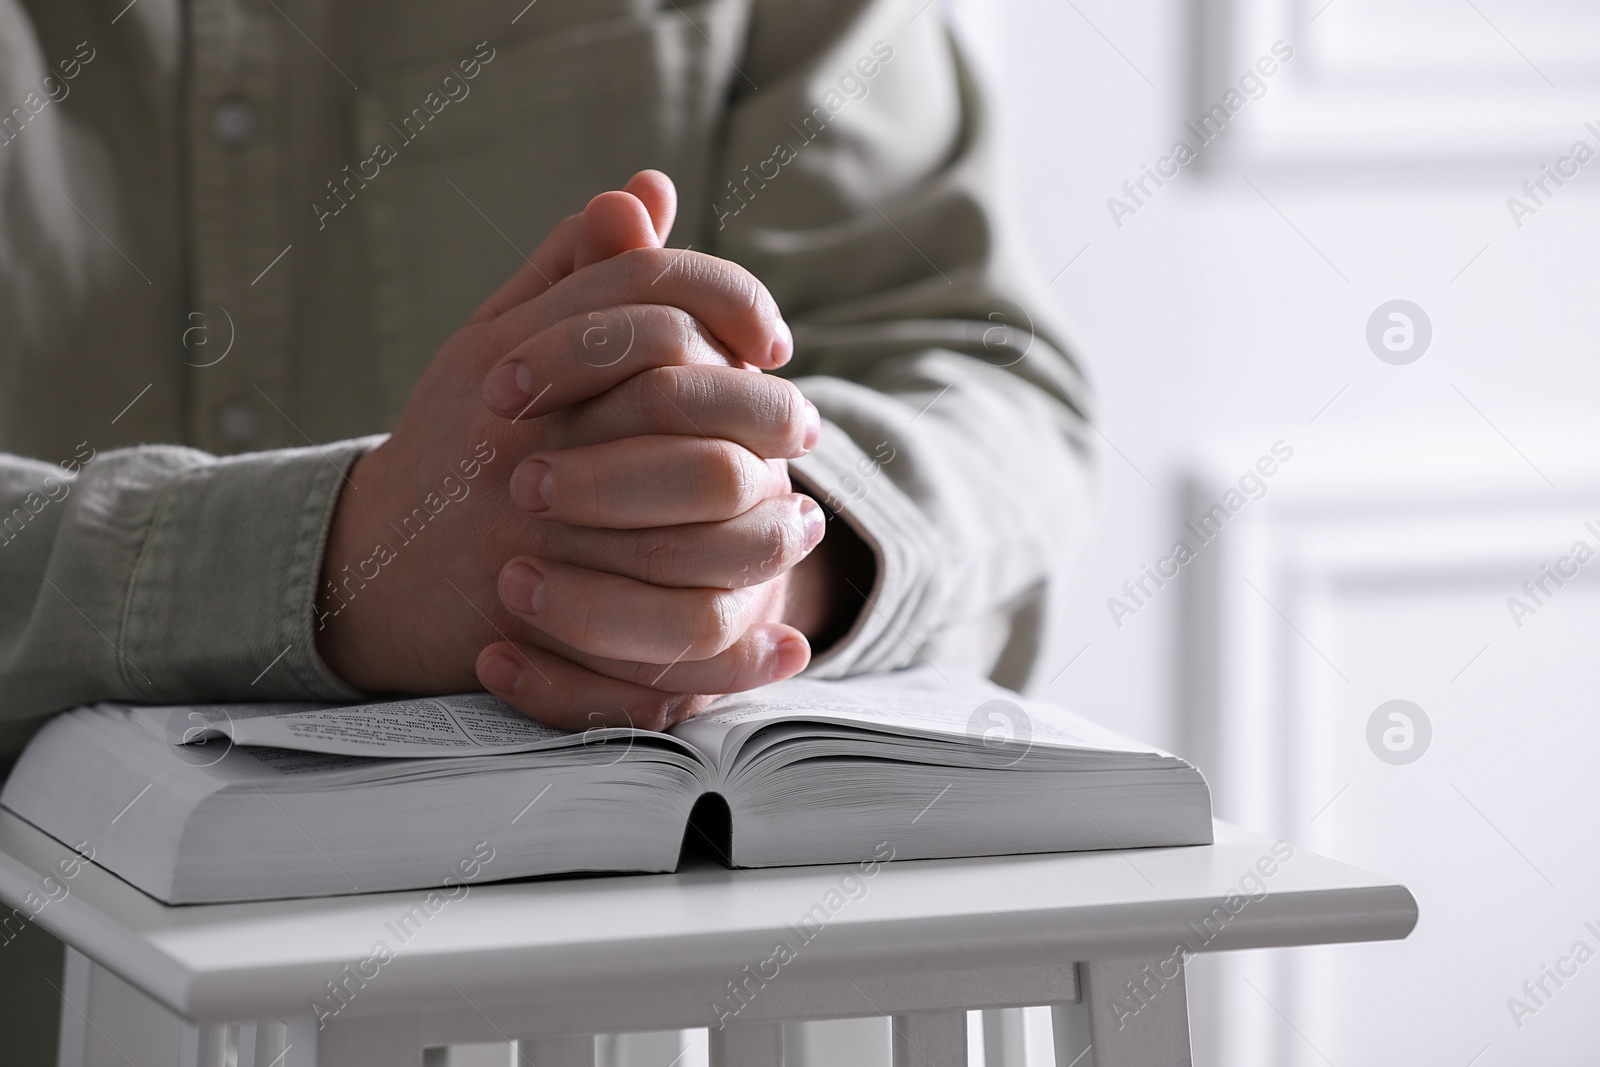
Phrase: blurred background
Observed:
(1433, 471)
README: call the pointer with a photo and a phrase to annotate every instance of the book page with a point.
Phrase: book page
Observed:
(963, 709)
(921, 703)
(468, 724)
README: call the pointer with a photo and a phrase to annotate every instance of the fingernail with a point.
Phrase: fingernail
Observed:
(522, 588)
(500, 674)
(508, 387)
(814, 520)
(782, 343)
(813, 427)
(789, 657)
(531, 485)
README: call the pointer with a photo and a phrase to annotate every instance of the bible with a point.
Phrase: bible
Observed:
(239, 802)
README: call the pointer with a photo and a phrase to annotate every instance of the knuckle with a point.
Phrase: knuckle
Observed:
(788, 412)
(666, 393)
(762, 307)
(744, 292)
(667, 399)
(680, 334)
(688, 705)
(745, 286)
(734, 479)
(779, 545)
(661, 560)
(661, 711)
(598, 338)
(752, 667)
(641, 266)
(654, 711)
(649, 398)
(707, 387)
(716, 625)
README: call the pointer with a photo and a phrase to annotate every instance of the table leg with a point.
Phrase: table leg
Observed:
(747, 1046)
(73, 1038)
(364, 1041)
(1069, 1024)
(1005, 1042)
(114, 1022)
(203, 1046)
(269, 1039)
(247, 1045)
(1138, 1012)
(567, 1050)
(645, 1048)
(930, 1039)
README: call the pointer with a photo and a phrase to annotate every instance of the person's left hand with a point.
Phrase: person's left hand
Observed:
(407, 612)
(667, 528)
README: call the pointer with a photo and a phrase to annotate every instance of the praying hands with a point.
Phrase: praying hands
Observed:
(635, 545)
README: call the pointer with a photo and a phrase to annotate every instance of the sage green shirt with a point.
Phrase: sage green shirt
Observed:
(233, 232)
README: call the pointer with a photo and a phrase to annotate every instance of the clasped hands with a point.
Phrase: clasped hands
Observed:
(626, 542)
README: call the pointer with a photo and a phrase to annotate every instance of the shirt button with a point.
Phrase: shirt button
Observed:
(240, 423)
(234, 121)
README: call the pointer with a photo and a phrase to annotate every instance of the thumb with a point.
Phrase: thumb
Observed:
(659, 196)
(640, 216)
(613, 222)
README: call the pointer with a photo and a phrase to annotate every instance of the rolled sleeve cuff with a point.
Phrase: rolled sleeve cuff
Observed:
(221, 600)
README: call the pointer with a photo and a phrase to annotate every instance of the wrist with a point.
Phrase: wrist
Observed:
(340, 618)
(827, 590)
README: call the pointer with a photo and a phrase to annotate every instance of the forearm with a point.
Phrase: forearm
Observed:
(162, 575)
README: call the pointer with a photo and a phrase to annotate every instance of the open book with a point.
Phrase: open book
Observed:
(252, 801)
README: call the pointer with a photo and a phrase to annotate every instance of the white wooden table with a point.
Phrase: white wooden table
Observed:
(551, 963)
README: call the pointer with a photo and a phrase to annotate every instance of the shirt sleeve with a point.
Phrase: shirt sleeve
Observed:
(163, 575)
(859, 182)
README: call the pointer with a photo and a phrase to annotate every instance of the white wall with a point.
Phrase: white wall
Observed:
(1223, 317)
(1207, 318)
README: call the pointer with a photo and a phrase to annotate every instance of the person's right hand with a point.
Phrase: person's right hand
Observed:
(412, 602)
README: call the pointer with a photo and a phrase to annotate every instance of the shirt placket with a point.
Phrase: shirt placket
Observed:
(241, 259)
